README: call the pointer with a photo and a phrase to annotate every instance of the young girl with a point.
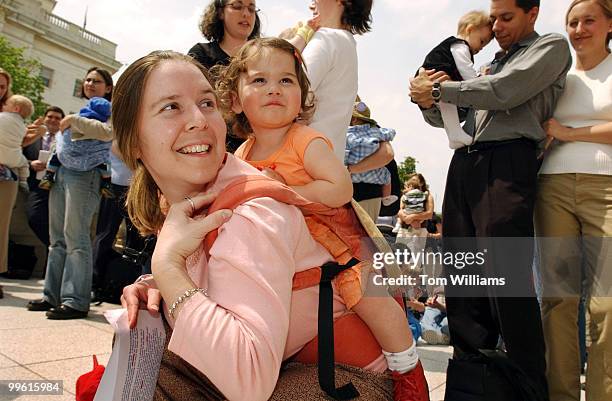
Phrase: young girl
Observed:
(455, 56)
(266, 88)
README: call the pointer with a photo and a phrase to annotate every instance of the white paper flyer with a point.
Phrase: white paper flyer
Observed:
(132, 370)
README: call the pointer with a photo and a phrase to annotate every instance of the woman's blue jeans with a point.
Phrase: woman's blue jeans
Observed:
(73, 201)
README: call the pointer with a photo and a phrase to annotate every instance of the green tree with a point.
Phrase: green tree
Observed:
(406, 168)
(25, 74)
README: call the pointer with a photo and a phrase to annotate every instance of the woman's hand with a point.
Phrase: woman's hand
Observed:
(405, 217)
(184, 230)
(37, 165)
(434, 303)
(66, 122)
(413, 304)
(140, 295)
(37, 128)
(314, 22)
(557, 131)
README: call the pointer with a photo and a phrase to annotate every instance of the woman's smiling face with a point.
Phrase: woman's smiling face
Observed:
(588, 27)
(181, 131)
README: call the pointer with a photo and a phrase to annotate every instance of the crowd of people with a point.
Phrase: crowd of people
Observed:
(276, 124)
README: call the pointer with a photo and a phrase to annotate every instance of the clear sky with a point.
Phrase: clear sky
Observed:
(403, 32)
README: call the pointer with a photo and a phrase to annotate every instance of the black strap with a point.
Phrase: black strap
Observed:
(327, 373)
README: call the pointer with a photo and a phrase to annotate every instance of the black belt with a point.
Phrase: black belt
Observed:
(486, 145)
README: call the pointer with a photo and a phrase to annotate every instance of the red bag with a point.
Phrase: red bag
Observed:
(87, 384)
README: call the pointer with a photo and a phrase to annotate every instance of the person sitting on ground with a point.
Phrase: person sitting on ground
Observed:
(267, 89)
(429, 313)
(363, 139)
(237, 318)
(455, 56)
(99, 109)
(12, 130)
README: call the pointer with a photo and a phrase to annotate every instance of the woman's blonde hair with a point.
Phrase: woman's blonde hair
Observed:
(229, 77)
(143, 197)
(8, 93)
(606, 7)
(478, 19)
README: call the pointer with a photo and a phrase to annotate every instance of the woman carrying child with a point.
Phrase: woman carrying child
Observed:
(13, 165)
(330, 56)
(240, 320)
(365, 140)
(74, 198)
(417, 206)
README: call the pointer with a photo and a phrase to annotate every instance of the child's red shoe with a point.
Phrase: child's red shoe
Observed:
(410, 386)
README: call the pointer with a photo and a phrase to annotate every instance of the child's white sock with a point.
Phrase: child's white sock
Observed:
(458, 140)
(404, 361)
(389, 200)
(457, 137)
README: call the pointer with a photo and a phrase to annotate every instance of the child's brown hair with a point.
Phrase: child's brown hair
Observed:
(229, 77)
(416, 181)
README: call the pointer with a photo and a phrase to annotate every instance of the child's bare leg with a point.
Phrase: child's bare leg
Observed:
(388, 322)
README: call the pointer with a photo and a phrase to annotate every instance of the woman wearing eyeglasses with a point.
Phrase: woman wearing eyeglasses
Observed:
(227, 25)
(73, 199)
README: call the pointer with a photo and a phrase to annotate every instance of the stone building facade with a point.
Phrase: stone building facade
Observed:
(65, 49)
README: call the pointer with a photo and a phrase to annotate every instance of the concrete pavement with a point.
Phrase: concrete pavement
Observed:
(33, 347)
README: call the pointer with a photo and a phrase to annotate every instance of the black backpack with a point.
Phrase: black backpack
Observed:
(122, 269)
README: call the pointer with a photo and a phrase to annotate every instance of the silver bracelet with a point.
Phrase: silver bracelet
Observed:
(184, 297)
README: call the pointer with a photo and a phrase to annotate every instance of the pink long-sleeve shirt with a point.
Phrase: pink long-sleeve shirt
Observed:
(251, 321)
